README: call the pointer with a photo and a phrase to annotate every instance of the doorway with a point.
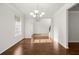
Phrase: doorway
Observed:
(41, 28)
(73, 28)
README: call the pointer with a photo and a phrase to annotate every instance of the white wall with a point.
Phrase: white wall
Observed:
(42, 26)
(73, 22)
(28, 27)
(32, 26)
(7, 27)
(61, 25)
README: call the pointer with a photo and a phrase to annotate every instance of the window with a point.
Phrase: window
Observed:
(17, 25)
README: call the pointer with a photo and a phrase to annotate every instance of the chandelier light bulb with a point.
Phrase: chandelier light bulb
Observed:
(42, 13)
(31, 13)
(34, 16)
(36, 11)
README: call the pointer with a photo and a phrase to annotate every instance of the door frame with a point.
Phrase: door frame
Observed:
(67, 13)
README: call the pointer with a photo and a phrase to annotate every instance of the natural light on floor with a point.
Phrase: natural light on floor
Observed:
(42, 41)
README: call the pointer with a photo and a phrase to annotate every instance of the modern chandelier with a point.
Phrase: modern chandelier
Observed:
(36, 14)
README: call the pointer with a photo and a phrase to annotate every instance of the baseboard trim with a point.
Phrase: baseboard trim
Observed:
(27, 38)
(74, 42)
(66, 47)
(11, 45)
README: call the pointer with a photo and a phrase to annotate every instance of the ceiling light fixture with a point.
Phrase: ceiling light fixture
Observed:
(37, 14)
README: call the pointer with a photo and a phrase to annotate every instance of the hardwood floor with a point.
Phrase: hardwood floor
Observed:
(73, 48)
(42, 46)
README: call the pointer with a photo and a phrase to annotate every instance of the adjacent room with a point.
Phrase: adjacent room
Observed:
(73, 29)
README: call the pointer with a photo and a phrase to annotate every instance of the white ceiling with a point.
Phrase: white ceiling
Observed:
(48, 8)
